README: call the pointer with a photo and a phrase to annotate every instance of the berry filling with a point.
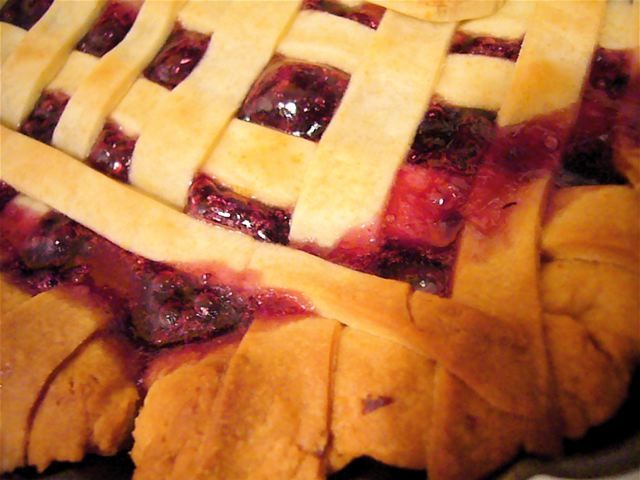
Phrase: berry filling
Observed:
(175, 307)
(7, 192)
(588, 159)
(424, 207)
(416, 240)
(112, 152)
(426, 269)
(45, 116)
(366, 14)
(296, 98)
(176, 60)
(160, 304)
(24, 13)
(452, 138)
(519, 154)
(215, 203)
(610, 72)
(42, 252)
(627, 128)
(109, 30)
(488, 46)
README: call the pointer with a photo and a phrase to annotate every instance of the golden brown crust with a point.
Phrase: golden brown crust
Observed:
(591, 386)
(373, 304)
(493, 270)
(24, 330)
(459, 385)
(601, 296)
(382, 398)
(490, 355)
(270, 417)
(468, 438)
(595, 224)
(89, 406)
(10, 295)
(176, 407)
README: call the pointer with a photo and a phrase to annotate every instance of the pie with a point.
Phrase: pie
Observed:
(263, 239)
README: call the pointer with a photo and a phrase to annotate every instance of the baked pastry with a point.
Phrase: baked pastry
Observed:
(281, 237)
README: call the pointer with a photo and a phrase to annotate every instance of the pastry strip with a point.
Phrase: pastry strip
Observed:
(78, 67)
(580, 225)
(382, 403)
(553, 62)
(10, 36)
(133, 112)
(475, 81)
(203, 16)
(320, 37)
(117, 211)
(375, 305)
(41, 54)
(348, 180)
(509, 22)
(260, 162)
(439, 11)
(146, 227)
(90, 404)
(22, 379)
(270, 417)
(602, 297)
(620, 26)
(175, 410)
(85, 114)
(194, 115)
(493, 269)
(10, 296)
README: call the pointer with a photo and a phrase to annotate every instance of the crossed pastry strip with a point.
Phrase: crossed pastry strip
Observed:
(385, 363)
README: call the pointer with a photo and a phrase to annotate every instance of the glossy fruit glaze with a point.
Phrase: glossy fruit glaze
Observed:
(178, 57)
(508, 49)
(112, 152)
(111, 27)
(588, 159)
(518, 155)
(160, 304)
(366, 14)
(294, 97)
(24, 13)
(217, 204)
(416, 239)
(42, 121)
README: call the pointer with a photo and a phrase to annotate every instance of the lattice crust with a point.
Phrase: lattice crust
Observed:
(540, 335)
(111, 77)
(40, 55)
